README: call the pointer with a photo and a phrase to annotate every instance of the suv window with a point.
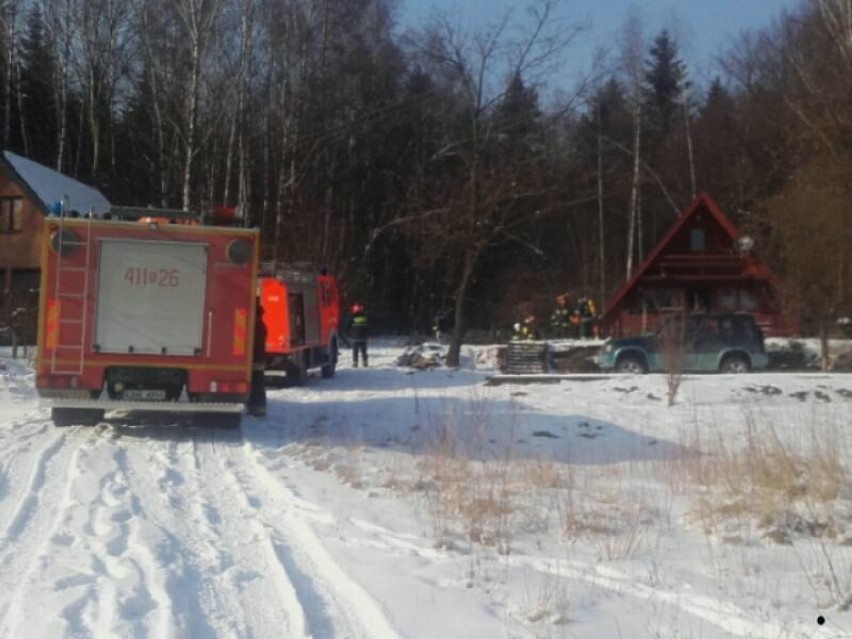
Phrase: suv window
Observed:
(744, 329)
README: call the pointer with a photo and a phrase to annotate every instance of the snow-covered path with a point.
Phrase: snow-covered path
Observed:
(156, 531)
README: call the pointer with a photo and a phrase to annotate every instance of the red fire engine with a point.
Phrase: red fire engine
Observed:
(145, 316)
(301, 314)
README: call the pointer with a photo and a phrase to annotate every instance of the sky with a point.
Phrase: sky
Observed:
(702, 27)
(392, 503)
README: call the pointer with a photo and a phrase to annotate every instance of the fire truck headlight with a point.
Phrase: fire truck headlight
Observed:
(238, 252)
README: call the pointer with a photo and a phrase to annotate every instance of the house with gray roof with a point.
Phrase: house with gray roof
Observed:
(29, 191)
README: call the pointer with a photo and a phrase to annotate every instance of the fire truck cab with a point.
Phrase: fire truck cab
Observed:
(301, 311)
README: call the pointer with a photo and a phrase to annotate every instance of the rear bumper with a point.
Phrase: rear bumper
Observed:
(70, 394)
(160, 407)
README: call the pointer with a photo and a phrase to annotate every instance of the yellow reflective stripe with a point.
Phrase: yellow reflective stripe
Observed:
(51, 333)
(239, 345)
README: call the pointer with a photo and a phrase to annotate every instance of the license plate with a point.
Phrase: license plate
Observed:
(145, 395)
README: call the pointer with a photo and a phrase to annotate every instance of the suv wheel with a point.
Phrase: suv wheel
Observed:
(734, 364)
(632, 364)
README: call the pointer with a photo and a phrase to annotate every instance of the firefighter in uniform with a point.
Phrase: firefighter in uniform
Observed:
(257, 395)
(357, 329)
(575, 318)
(587, 317)
(526, 330)
(559, 319)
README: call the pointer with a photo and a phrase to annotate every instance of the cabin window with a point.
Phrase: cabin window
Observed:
(748, 302)
(726, 299)
(653, 301)
(697, 241)
(666, 299)
(11, 215)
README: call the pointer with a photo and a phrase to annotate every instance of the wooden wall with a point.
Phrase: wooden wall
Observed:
(21, 250)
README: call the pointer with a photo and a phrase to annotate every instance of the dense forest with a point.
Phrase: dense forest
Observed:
(438, 166)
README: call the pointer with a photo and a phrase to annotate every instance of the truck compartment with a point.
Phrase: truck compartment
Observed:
(150, 297)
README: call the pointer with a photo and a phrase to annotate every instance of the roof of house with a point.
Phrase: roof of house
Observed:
(50, 187)
(702, 202)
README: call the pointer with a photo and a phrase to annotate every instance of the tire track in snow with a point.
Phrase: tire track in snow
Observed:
(218, 582)
(724, 615)
(123, 591)
(279, 604)
(321, 583)
(36, 517)
(17, 440)
(163, 477)
(727, 616)
(26, 507)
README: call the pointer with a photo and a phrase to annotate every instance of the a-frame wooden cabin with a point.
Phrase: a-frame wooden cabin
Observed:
(702, 263)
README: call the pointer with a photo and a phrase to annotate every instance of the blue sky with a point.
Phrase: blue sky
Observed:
(701, 27)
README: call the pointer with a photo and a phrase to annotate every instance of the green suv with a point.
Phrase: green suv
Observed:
(697, 342)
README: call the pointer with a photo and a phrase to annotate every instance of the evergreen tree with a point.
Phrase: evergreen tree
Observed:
(38, 118)
(517, 115)
(665, 82)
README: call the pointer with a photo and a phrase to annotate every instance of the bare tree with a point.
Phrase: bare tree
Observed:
(671, 348)
(811, 233)
(483, 203)
(58, 15)
(199, 20)
(102, 37)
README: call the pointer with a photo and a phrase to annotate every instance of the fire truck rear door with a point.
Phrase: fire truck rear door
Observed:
(150, 297)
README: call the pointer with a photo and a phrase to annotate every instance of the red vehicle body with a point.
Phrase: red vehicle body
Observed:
(145, 317)
(302, 315)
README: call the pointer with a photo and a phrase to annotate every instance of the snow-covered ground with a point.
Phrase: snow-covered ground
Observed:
(432, 504)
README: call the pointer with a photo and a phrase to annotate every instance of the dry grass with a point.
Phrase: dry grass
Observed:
(783, 488)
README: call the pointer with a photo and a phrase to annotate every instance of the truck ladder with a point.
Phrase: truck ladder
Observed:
(75, 349)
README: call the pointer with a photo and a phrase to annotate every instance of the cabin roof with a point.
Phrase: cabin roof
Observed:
(702, 202)
(48, 187)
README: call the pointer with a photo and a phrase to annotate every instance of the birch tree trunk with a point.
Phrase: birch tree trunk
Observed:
(199, 18)
(244, 183)
(601, 239)
(154, 73)
(59, 29)
(632, 59)
(634, 186)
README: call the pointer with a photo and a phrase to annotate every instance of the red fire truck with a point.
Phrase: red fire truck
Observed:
(145, 316)
(301, 314)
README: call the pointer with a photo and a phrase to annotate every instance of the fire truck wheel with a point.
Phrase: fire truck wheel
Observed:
(76, 416)
(329, 369)
(297, 373)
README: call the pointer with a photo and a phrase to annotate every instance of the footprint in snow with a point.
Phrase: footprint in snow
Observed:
(545, 433)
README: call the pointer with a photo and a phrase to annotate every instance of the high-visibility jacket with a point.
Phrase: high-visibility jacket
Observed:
(358, 327)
